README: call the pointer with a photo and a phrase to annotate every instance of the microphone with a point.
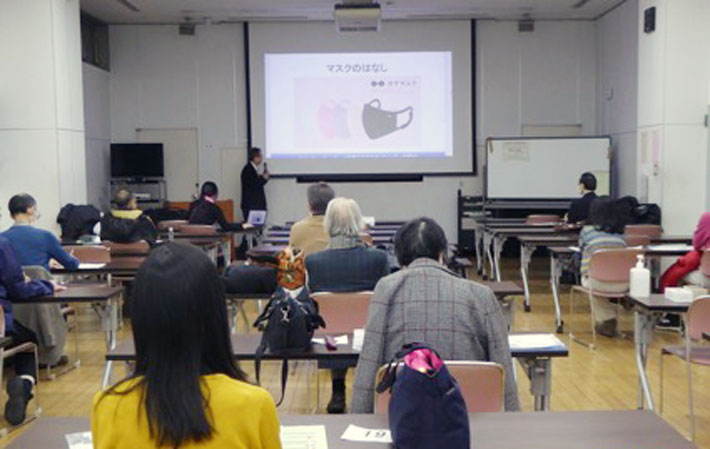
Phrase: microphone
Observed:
(266, 168)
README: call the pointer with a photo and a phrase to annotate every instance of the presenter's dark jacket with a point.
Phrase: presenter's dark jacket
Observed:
(579, 209)
(253, 197)
(205, 212)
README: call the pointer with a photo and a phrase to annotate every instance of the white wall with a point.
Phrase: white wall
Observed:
(41, 120)
(617, 45)
(159, 79)
(97, 125)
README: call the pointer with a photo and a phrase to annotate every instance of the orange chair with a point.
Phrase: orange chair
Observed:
(175, 224)
(120, 249)
(343, 312)
(697, 323)
(7, 351)
(367, 239)
(637, 240)
(609, 271)
(90, 253)
(542, 219)
(652, 231)
(482, 386)
(193, 229)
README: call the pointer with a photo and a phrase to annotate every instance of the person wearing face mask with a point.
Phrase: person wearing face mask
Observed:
(37, 247)
(579, 209)
(253, 196)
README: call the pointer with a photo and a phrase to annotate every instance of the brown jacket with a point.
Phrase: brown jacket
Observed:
(308, 235)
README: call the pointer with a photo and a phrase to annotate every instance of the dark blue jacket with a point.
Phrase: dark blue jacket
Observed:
(13, 287)
(36, 246)
(346, 270)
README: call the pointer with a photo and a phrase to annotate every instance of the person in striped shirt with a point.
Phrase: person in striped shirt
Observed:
(605, 230)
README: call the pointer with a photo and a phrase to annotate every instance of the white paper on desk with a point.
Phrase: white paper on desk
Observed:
(361, 434)
(358, 339)
(530, 341)
(303, 437)
(80, 440)
(91, 266)
(671, 247)
(576, 249)
(340, 340)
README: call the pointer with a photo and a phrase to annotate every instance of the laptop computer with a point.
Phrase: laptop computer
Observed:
(257, 217)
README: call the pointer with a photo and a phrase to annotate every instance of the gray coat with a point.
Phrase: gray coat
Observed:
(427, 303)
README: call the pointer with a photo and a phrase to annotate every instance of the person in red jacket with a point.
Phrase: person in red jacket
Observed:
(686, 266)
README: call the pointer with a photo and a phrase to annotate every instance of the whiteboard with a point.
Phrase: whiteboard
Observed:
(545, 168)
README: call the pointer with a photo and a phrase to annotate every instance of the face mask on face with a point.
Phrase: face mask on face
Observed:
(379, 123)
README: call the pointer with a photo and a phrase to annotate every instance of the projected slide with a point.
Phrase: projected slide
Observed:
(358, 105)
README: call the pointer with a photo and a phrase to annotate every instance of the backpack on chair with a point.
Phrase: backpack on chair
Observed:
(426, 409)
(287, 323)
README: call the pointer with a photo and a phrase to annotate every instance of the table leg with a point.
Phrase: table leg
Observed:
(489, 254)
(109, 323)
(498, 243)
(555, 273)
(525, 255)
(539, 372)
(477, 246)
(643, 328)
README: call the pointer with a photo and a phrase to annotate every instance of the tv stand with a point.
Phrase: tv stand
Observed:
(151, 193)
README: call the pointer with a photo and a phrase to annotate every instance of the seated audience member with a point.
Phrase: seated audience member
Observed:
(604, 230)
(186, 390)
(579, 209)
(206, 212)
(37, 247)
(126, 223)
(308, 235)
(426, 302)
(15, 288)
(346, 266)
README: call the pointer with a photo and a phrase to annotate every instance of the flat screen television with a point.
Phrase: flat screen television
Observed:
(137, 160)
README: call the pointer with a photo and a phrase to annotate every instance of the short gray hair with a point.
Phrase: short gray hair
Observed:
(343, 217)
(319, 195)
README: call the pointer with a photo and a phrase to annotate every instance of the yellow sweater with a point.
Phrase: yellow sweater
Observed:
(244, 418)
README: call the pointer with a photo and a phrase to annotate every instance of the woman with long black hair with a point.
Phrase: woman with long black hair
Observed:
(186, 391)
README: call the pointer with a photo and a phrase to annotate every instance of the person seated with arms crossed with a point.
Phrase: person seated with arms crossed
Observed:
(579, 209)
(186, 389)
(206, 212)
(308, 235)
(126, 223)
(604, 230)
(16, 288)
(346, 266)
(38, 247)
(426, 302)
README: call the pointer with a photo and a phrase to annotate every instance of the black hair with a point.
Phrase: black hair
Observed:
(122, 198)
(210, 189)
(181, 332)
(609, 215)
(589, 181)
(20, 203)
(254, 152)
(319, 195)
(421, 237)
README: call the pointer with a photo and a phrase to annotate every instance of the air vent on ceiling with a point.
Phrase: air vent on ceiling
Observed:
(526, 25)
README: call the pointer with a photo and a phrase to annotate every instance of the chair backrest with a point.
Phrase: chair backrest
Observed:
(2, 322)
(612, 265)
(637, 240)
(699, 317)
(37, 272)
(367, 239)
(90, 253)
(132, 249)
(705, 263)
(542, 219)
(175, 224)
(194, 229)
(343, 312)
(482, 386)
(644, 229)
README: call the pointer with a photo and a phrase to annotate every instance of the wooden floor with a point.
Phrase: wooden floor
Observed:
(601, 379)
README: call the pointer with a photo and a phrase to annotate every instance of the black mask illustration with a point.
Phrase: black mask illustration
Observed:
(379, 123)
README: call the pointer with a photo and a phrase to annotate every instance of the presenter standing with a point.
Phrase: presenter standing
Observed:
(253, 197)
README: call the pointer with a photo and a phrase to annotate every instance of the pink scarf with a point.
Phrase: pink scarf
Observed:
(701, 238)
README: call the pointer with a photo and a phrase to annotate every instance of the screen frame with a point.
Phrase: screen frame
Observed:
(364, 176)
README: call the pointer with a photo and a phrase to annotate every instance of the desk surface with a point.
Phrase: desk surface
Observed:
(537, 230)
(119, 265)
(80, 293)
(244, 347)
(540, 430)
(654, 250)
(657, 302)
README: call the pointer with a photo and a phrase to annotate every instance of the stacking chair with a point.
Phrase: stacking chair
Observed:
(175, 224)
(367, 239)
(482, 386)
(69, 313)
(541, 219)
(701, 277)
(652, 231)
(90, 253)
(194, 229)
(343, 312)
(637, 240)
(7, 350)
(697, 323)
(609, 272)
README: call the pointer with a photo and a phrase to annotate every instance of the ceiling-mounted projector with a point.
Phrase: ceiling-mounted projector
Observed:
(351, 16)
